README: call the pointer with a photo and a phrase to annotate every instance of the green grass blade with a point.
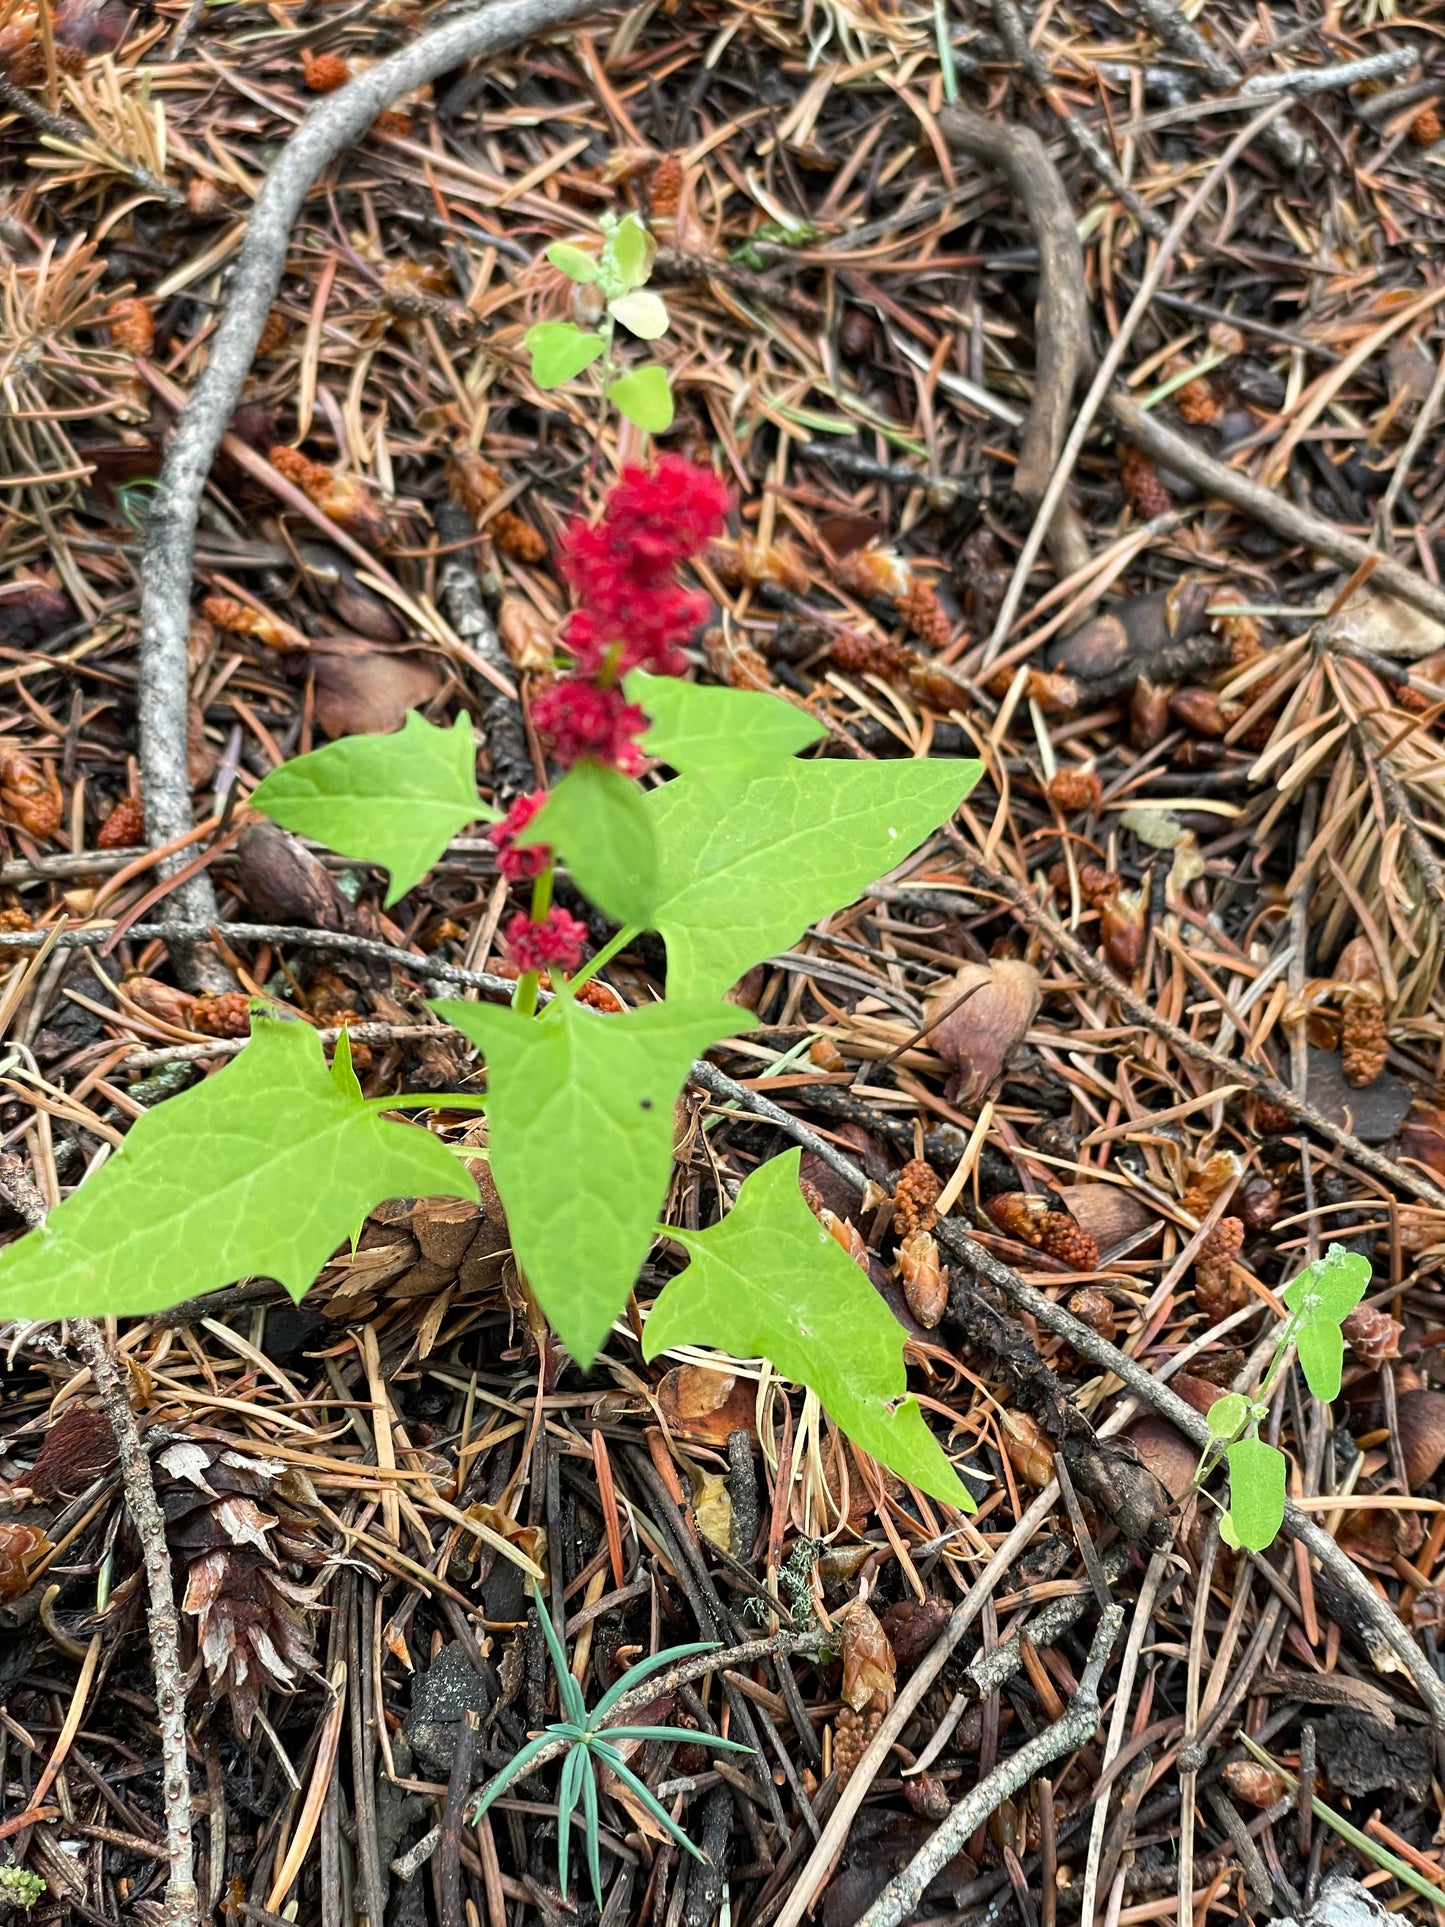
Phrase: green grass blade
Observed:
(515, 1769)
(594, 1827)
(573, 1704)
(648, 1798)
(572, 1771)
(1372, 1850)
(683, 1735)
(636, 1674)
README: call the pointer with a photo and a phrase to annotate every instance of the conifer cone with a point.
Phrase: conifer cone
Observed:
(1216, 1290)
(914, 1196)
(1143, 490)
(1061, 1238)
(1364, 1039)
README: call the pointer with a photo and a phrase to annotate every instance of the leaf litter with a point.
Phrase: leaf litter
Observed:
(1210, 767)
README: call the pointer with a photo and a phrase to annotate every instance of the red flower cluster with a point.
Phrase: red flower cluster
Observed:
(634, 612)
(577, 718)
(554, 942)
(530, 860)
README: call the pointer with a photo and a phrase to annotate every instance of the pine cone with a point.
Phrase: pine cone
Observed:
(852, 1733)
(859, 655)
(1374, 1335)
(1216, 1290)
(226, 1015)
(1020, 1215)
(1143, 490)
(1061, 1238)
(132, 326)
(1099, 886)
(517, 538)
(324, 73)
(14, 919)
(924, 614)
(914, 1196)
(273, 334)
(1197, 401)
(254, 1625)
(925, 1281)
(1364, 1040)
(1095, 1309)
(1426, 128)
(665, 187)
(30, 794)
(123, 827)
(1071, 790)
(913, 1626)
(1272, 1120)
(1030, 1453)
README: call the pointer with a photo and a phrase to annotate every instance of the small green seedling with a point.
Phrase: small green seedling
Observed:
(589, 1740)
(1318, 1301)
(560, 350)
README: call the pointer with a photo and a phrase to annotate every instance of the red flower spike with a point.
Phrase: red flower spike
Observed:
(576, 719)
(531, 859)
(554, 943)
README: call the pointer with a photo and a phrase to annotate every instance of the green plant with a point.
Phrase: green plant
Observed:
(590, 1741)
(271, 1162)
(1318, 1302)
(619, 274)
(21, 1887)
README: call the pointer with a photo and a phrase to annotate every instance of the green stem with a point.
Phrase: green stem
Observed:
(944, 39)
(525, 997)
(429, 1101)
(619, 941)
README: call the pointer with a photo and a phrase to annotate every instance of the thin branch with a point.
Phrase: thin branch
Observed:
(332, 125)
(74, 134)
(1182, 37)
(112, 1383)
(903, 1893)
(1266, 506)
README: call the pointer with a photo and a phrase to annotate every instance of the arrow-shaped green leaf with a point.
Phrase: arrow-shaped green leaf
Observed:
(395, 800)
(770, 1282)
(579, 1128)
(261, 1171)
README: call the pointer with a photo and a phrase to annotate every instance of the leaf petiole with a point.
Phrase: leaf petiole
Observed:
(616, 943)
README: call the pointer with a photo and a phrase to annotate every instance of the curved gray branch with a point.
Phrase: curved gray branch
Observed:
(333, 124)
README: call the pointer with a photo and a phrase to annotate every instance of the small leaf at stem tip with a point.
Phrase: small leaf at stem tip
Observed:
(1256, 1492)
(642, 314)
(770, 1282)
(1228, 1416)
(572, 262)
(1328, 1290)
(632, 251)
(559, 351)
(394, 800)
(598, 821)
(260, 1171)
(644, 397)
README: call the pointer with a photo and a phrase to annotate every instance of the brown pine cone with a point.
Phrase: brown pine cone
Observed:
(132, 326)
(1217, 1291)
(1020, 1215)
(914, 1196)
(1139, 479)
(517, 538)
(1061, 1238)
(665, 187)
(14, 919)
(1426, 128)
(1095, 1309)
(226, 1015)
(1364, 1040)
(1374, 1335)
(30, 794)
(324, 73)
(273, 334)
(812, 1197)
(1098, 886)
(851, 1735)
(1197, 401)
(860, 655)
(924, 614)
(1071, 790)
(124, 826)
(1272, 1120)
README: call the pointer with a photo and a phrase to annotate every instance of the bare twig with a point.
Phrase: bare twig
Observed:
(331, 126)
(1183, 38)
(1062, 351)
(901, 1896)
(1265, 505)
(112, 1384)
(1108, 368)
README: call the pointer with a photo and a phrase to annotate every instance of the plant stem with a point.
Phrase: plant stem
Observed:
(615, 943)
(525, 999)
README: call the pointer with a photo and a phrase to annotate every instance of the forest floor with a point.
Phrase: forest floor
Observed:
(1199, 881)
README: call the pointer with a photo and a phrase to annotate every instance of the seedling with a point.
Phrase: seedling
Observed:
(590, 1741)
(560, 350)
(1318, 1302)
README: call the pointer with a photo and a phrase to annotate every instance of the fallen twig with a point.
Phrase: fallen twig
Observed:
(901, 1896)
(1267, 506)
(181, 1900)
(331, 126)
(79, 137)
